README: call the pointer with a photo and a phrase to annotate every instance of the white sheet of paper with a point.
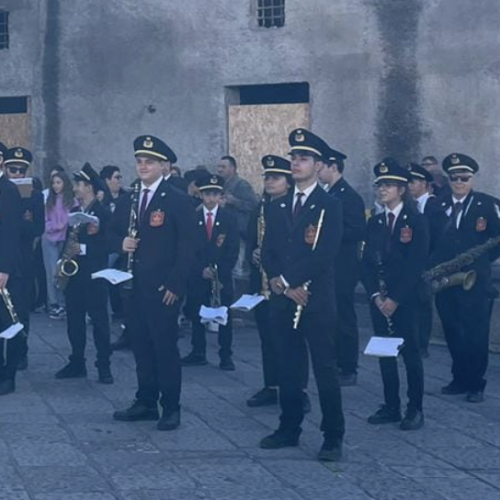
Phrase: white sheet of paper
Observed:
(12, 331)
(216, 314)
(114, 276)
(247, 302)
(384, 347)
(76, 218)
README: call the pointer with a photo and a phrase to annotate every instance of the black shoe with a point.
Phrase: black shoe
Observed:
(385, 415)
(121, 344)
(280, 439)
(227, 365)
(7, 387)
(452, 389)
(331, 450)
(193, 359)
(475, 397)
(23, 364)
(105, 375)
(414, 420)
(138, 411)
(265, 397)
(306, 403)
(72, 370)
(348, 379)
(169, 421)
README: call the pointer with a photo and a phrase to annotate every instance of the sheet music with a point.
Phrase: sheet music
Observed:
(114, 276)
(12, 331)
(384, 347)
(247, 302)
(76, 218)
(217, 314)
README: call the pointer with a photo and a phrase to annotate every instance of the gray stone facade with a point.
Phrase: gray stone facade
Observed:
(401, 77)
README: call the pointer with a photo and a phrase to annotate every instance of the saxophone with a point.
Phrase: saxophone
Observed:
(448, 274)
(132, 232)
(9, 305)
(67, 266)
(307, 284)
(261, 231)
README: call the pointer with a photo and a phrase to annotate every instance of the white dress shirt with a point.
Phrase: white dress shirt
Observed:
(213, 211)
(396, 211)
(422, 201)
(462, 212)
(307, 192)
(151, 193)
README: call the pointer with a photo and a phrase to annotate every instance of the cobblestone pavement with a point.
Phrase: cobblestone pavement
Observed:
(58, 441)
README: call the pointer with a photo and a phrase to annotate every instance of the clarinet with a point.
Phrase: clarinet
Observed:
(261, 231)
(382, 288)
(132, 232)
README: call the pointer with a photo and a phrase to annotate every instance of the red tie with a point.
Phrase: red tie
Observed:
(298, 206)
(210, 225)
(144, 203)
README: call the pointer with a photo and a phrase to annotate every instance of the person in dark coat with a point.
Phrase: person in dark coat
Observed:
(303, 233)
(87, 245)
(163, 255)
(348, 266)
(394, 259)
(470, 218)
(216, 256)
(10, 277)
(17, 163)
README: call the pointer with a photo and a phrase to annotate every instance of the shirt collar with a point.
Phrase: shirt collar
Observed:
(1, 173)
(395, 211)
(152, 188)
(167, 177)
(214, 211)
(454, 200)
(422, 200)
(307, 192)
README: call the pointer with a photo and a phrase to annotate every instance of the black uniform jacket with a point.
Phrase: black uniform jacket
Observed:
(222, 249)
(288, 247)
(10, 227)
(433, 211)
(167, 236)
(95, 239)
(403, 257)
(480, 222)
(33, 226)
(354, 221)
(252, 244)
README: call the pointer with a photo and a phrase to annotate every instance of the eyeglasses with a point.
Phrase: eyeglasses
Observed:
(17, 170)
(461, 178)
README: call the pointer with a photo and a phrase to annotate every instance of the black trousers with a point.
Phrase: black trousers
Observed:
(268, 348)
(347, 322)
(424, 322)
(15, 347)
(465, 317)
(153, 332)
(225, 334)
(86, 296)
(403, 321)
(318, 330)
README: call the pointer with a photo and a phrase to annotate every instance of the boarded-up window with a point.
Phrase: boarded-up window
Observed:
(271, 13)
(4, 29)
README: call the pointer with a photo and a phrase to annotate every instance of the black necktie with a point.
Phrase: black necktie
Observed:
(298, 205)
(456, 211)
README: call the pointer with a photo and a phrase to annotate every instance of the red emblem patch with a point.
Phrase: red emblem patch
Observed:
(310, 234)
(157, 218)
(92, 229)
(406, 235)
(220, 240)
(481, 224)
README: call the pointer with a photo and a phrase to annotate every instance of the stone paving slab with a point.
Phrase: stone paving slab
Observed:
(59, 442)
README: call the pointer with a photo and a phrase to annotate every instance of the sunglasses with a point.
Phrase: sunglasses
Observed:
(17, 170)
(461, 178)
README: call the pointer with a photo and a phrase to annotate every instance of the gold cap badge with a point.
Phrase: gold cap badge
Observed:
(299, 136)
(455, 160)
(148, 143)
(270, 161)
(214, 180)
(383, 168)
(18, 153)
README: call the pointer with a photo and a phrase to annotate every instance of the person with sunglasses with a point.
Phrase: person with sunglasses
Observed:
(396, 252)
(469, 219)
(10, 276)
(17, 163)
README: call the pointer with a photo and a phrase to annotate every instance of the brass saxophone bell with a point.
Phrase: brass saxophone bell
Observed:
(69, 268)
(466, 280)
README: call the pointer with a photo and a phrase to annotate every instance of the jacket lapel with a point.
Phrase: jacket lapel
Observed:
(310, 203)
(154, 203)
(285, 205)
